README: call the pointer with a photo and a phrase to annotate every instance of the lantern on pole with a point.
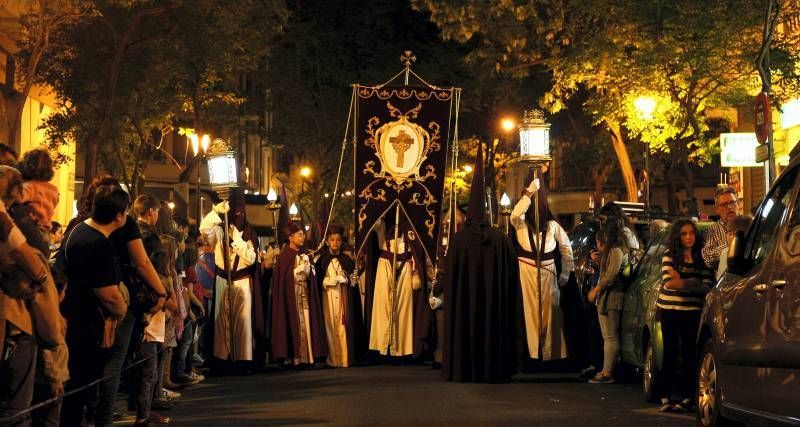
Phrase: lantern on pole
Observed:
(534, 138)
(534, 149)
(273, 206)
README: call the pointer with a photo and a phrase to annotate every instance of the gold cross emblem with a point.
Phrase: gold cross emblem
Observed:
(400, 143)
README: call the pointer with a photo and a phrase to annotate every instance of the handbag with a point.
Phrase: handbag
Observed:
(143, 297)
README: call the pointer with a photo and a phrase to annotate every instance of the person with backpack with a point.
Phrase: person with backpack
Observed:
(608, 294)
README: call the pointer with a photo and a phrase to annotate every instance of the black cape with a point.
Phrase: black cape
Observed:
(482, 307)
(354, 325)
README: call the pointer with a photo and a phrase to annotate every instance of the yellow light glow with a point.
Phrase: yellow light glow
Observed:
(505, 200)
(646, 106)
(468, 168)
(205, 141)
(305, 171)
(508, 124)
(195, 143)
(272, 196)
(293, 209)
(348, 193)
(171, 205)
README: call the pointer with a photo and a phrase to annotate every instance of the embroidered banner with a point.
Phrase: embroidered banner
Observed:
(401, 153)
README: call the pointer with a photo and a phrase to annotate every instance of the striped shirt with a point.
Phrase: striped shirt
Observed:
(683, 299)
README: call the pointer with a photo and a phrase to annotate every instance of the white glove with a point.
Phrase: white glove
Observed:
(239, 246)
(341, 279)
(533, 186)
(222, 207)
(435, 302)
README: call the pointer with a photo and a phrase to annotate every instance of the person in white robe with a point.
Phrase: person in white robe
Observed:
(544, 324)
(233, 331)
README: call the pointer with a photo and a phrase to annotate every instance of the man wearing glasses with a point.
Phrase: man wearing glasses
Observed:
(717, 236)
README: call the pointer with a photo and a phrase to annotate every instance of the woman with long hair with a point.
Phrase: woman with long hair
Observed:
(608, 293)
(544, 321)
(686, 279)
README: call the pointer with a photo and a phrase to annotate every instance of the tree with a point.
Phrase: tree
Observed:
(44, 18)
(694, 55)
(135, 66)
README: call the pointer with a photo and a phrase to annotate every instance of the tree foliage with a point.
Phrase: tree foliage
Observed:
(691, 56)
(130, 68)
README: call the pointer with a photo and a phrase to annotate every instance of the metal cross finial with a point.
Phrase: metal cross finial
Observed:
(407, 58)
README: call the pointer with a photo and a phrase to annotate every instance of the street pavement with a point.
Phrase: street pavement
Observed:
(412, 395)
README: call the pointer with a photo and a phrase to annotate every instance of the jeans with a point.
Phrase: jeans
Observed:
(146, 381)
(86, 364)
(16, 377)
(609, 327)
(679, 331)
(182, 350)
(104, 413)
(50, 415)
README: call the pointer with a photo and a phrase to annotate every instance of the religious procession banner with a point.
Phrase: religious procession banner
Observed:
(402, 141)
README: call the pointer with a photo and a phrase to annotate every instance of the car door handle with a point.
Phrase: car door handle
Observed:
(761, 287)
(778, 284)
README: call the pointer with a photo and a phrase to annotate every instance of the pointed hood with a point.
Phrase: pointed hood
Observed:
(476, 212)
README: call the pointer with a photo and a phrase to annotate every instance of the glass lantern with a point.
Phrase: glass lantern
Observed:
(222, 169)
(534, 137)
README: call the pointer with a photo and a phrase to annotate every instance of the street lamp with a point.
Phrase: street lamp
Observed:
(505, 209)
(534, 149)
(507, 124)
(222, 176)
(305, 171)
(468, 168)
(199, 147)
(646, 105)
(273, 206)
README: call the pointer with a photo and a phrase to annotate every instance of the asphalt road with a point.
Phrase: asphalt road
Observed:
(412, 395)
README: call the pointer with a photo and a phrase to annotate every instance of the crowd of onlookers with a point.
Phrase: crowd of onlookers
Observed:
(116, 296)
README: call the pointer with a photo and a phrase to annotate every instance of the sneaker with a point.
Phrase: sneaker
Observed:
(588, 372)
(194, 376)
(602, 378)
(198, 360)
(184, 380)
(169, 394)
(684, 405)
(666, 405)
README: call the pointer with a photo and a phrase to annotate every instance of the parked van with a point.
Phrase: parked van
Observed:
(749, 337)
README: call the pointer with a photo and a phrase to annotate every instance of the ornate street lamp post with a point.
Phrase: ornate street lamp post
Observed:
(534, 149)
(199, 148)
(273, 206)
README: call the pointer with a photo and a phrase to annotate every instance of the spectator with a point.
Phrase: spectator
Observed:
(740, 223)
(717, 237)
(8, 157)
(147, 354)
(613, 212)
(56, 236)
(686, 280)
(94, 296)
(136, 270)
(42, 196)
(28, 307)
(608, 295)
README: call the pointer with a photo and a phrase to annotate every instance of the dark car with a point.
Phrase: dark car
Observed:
(749, 337)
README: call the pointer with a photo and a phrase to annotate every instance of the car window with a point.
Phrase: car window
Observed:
(768, 218)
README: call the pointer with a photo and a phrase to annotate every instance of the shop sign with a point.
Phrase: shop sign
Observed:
(738, 149)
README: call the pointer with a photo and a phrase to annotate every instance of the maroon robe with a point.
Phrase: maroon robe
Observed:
(285, 330)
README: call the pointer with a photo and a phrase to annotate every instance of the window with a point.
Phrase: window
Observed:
(769, 216)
